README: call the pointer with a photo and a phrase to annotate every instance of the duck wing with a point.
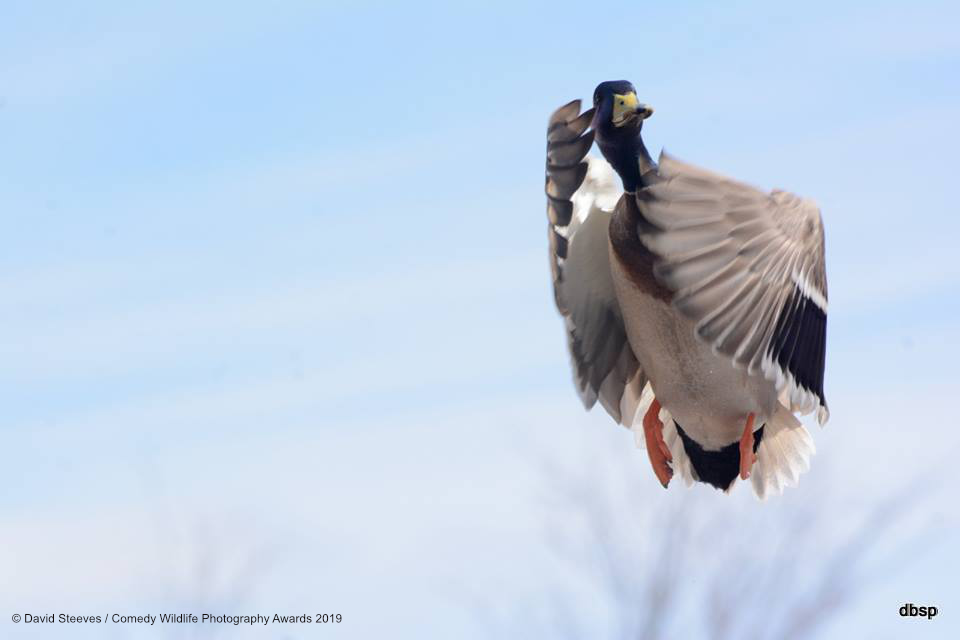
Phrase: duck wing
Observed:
(748, 268)
(582, 193)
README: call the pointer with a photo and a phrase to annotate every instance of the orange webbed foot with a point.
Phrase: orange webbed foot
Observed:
(747, 456)
(657, 449)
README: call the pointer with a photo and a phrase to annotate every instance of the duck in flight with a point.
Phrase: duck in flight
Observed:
(695, 305)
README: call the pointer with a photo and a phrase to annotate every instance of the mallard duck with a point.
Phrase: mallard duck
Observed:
(695, 305)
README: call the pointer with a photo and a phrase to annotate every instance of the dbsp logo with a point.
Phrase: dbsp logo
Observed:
(911, 610)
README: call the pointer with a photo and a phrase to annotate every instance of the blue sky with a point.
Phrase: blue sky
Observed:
(277, 278)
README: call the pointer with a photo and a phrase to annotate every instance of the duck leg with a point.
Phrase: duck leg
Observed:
(656, 448)
(747, 456)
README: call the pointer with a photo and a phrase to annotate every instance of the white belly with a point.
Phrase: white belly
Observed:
(707, 396)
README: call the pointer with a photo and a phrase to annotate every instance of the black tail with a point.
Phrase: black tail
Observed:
(718, 468)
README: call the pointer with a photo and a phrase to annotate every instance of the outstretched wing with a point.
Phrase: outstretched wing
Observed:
(748, 267)
(581, 195)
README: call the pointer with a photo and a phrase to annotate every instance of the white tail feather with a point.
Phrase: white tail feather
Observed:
(784, 453)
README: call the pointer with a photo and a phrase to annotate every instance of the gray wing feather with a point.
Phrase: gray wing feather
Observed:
(581, 194)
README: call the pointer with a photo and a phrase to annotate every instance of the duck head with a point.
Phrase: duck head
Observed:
(617, 122)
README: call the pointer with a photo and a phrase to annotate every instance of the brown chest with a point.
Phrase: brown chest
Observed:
(637, 261)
